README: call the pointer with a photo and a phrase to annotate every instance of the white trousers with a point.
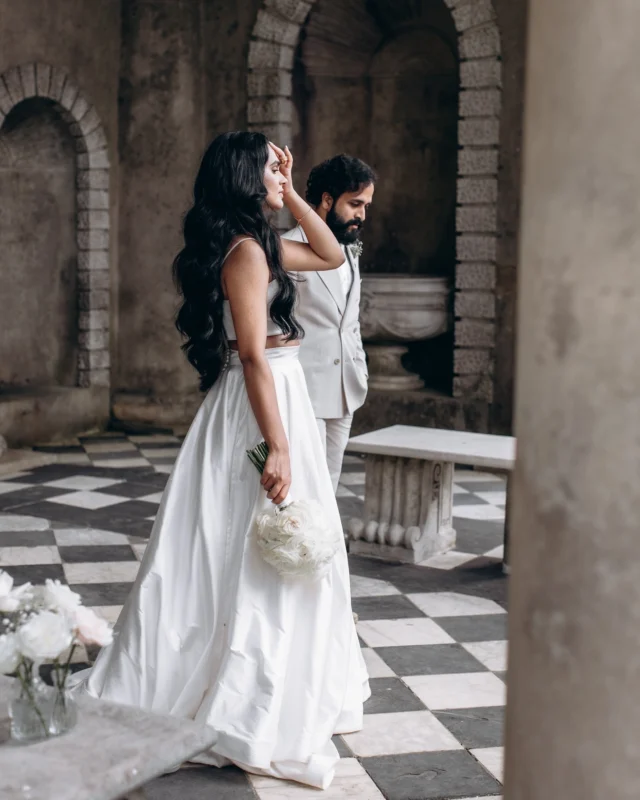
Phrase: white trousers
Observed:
(335, 435)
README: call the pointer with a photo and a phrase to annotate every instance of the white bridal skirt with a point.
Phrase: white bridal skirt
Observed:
(210, 631)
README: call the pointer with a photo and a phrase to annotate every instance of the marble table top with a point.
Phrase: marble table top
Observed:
(111, 751)
(434, 444)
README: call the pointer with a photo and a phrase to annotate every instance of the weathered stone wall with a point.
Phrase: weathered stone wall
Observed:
(512, 22)
(82, 37)
(38, 255)
(183, 81)
(53, 78)
(381, 82)
(162, 136)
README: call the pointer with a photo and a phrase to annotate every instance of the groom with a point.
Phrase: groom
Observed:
(341, 191)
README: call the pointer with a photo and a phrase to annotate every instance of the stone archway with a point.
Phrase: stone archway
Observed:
(92, 205)
(270, 108)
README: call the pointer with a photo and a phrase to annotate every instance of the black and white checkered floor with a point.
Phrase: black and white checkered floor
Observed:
(433, 635)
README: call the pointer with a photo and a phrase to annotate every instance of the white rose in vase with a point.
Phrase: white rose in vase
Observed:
(60, 597)
(9, 655)
(45, 636)
(6, 583)
(92, 629)
(10, 598)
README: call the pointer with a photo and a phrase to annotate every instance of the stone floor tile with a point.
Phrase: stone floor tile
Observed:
(201, 783)
(86, 554)
(492, 654)
(102, 594)
(430, 776)
(454, 604)
(401, 732)
(351, 782)
(401, 632)
(482, 628)
(391, 695)
(83, 537)
(475, 727)
(492, 759)
(461, 690)
(22, 556)
(371, 587)
(375, 665)
(384, 607)
(450, 560)
(432, 659)
(79, 483)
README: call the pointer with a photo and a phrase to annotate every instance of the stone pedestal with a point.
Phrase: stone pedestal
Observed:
(408, 510)
(395, 309)
(386, 371)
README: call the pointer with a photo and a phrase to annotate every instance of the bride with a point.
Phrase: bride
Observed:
(210, 631)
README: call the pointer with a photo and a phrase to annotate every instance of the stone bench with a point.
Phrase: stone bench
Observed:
(408, 501)
(111, 753)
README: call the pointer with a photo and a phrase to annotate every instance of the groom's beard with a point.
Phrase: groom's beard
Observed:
(341, 228)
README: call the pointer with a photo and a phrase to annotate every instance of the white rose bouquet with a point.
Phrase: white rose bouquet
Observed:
(38, 624)
(296, 538)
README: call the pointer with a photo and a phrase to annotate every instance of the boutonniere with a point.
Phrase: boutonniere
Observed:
(356, 249)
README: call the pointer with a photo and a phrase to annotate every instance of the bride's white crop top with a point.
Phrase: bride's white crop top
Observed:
(273, 329)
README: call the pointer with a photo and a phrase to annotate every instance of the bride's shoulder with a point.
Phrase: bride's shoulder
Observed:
(244, 248)
(245, 261)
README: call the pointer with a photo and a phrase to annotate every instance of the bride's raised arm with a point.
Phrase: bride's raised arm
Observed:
(322, 251)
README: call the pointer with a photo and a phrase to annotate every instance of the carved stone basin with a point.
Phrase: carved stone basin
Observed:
(400, 308)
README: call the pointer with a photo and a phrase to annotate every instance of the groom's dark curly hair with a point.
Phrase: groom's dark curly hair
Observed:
(338, 175)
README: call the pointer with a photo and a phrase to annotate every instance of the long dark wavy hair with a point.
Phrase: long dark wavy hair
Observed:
(228, 200)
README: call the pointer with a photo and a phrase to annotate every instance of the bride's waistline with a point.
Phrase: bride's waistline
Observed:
(287, 353)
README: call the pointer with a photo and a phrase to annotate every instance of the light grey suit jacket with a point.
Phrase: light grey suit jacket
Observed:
(331, 354)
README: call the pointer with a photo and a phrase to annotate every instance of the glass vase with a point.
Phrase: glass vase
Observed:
(63, 714)
(30, 706)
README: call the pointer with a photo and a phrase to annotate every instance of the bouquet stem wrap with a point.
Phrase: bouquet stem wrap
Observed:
(296, 538)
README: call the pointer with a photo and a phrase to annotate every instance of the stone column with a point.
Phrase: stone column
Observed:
(573, 727)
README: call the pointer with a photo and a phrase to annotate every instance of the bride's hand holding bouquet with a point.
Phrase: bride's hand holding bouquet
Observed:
(276, 474)
(297, 538)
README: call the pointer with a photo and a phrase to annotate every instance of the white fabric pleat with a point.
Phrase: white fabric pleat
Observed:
(210, 631)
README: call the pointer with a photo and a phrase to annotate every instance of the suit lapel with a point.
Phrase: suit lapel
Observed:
(331, 280)
(355, 275)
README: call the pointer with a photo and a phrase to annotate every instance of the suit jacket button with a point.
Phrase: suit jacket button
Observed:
(337, 361)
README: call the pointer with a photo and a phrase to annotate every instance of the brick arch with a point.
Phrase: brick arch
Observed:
(92, 204)
(269, 82)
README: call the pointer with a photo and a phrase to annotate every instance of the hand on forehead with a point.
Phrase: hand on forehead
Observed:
(279, 153)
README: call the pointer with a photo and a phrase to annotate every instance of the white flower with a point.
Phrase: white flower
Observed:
(7, 602)
(9, 655)
(298, 540)
(92, 629)
(45, 636)
(6, 583)
(60, 597)
(10, 598)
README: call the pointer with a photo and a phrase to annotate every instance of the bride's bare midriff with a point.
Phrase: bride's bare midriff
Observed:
(272, 341)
